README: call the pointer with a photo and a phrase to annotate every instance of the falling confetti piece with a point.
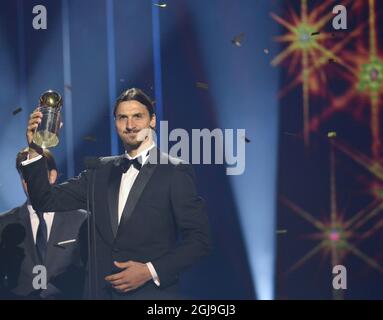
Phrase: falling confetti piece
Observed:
(337, 36)
(247, 140)
(281, 231)
(237, 40)
(162, 5)
(331, 134)
(290, 134)
(202, 85)
(16, 111)
(90, 138)
(315, 33)
(266, 51)
(68, 86)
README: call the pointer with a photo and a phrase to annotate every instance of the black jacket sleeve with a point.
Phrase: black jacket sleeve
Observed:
(70, 195)
(192, 223)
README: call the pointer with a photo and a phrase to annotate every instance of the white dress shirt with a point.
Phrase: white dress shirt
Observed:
(128, 179)
(126, 184)
(48, 217)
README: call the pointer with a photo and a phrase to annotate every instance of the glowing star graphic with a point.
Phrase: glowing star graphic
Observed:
(305, 46)
(371, 77)
(339, 236)
(373, 166)
(376, 189)
(335, 235)
(363, 70)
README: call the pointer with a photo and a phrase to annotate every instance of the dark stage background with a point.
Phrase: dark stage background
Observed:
(330, 153)
(308, 96)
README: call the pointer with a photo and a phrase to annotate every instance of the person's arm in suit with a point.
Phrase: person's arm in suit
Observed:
(70, 195)
(192, 222)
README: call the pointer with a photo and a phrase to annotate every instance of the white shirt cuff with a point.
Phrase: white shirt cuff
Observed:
(28, 161)
(153, 273)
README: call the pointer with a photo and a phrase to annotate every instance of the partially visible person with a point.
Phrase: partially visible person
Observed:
(29, 238)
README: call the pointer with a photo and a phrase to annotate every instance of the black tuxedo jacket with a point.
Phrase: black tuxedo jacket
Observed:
(18, 257)
(164, 220)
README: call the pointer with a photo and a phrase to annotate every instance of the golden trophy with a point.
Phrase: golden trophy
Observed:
(46, 135)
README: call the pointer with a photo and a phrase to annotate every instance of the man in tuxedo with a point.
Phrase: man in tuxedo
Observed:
(44, 238)
(149, 222)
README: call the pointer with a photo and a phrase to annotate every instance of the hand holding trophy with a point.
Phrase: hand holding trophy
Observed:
(44, 123)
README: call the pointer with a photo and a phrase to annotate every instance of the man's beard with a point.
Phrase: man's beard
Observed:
(133, 145)
(141, 137)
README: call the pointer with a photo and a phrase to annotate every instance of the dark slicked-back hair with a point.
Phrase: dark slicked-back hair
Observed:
(137, 95)
(22, 155)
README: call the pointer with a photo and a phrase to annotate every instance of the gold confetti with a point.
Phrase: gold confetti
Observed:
(331, 134)
(90, 138)
(237, 40)
(290, 134)
(202, 85)
(281, 231)
(16, 111)
(162, 5)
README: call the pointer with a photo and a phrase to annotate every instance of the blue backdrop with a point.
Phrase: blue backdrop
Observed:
(94, 49)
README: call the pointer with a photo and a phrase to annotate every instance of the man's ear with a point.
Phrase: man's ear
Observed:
(153, 120)
(52, 176)
(25, 186)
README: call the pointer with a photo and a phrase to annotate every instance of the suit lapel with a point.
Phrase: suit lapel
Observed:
(139, 185)
(113, 194)
(29, 240)
(58, 225)
(57, 221)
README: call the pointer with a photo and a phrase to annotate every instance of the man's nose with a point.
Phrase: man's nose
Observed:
(130, 124)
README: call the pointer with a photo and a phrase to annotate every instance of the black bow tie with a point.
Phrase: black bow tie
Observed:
(126, 163)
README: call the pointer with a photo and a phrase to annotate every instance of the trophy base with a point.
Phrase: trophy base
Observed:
(45, 139)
